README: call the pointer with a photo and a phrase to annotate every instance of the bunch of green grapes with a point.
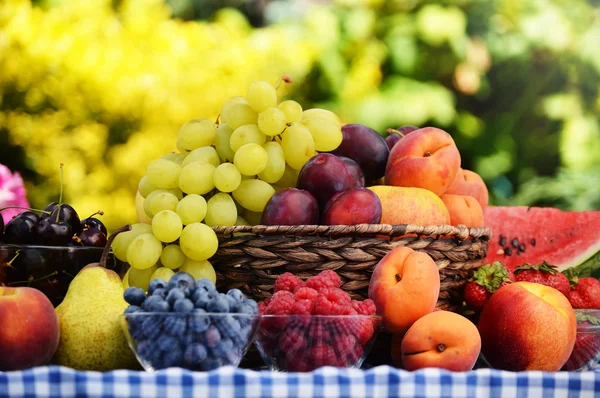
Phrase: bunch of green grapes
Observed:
(224, 174)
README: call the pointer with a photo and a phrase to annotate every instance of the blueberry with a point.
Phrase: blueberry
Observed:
(173, 358)
(199, 321)
(183, 306)
(237, 295)
(134, 296)
(167, 343)
(200, 297)
(175, 326)
(174, 295)
(207, 285)
(150, 353)
(218, 304)
(135, 329)
(155, 304)
(231, 303)
(160, 292)
(212, 336)
(194, 354)
(152, 327)
(241, 338)
(156, 283)
(228, 326)
(188, 338)
(252, 304)
(222, 348)
(210, 364)
(131, 309)
(231, 357)
(183, 281)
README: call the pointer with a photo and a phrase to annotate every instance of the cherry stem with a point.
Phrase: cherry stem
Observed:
(100, 212)
(394, 131)
(9, 264)
(30, 281)
(62, 180)
(282, 79)
(109, 242)
(25, 208)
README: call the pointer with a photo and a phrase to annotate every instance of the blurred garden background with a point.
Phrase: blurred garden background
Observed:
(103, 85)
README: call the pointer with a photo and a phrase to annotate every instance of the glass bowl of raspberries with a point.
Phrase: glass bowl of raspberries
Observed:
(586, 352)
(187, 323)
(309, 324)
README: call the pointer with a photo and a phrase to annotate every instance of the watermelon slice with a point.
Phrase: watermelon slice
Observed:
(536, 234)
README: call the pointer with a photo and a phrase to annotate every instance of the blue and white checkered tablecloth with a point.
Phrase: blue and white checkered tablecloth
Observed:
(45, 382)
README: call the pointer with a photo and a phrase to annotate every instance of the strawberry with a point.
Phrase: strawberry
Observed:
(544, 274)
(585, 294)
(485, 282)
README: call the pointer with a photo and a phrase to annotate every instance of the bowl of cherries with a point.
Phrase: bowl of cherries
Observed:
(45, 249)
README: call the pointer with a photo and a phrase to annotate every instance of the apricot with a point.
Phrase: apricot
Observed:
(463, 210)
(405, 286)
(469, 183)
(441, 339)
(401, 205)
(426, 158)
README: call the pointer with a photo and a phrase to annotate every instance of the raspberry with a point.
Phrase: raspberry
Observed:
(324, 280)
(262, 306)
(332, 276)
(303, 307)
(280, 307)
(282, 295)
(306, 293)
(344, 344)
(298, 361)
(287, 282)
(317, 332)
(292, 339)
(366, 307)
(333, 301)
(322, 355)
(361, 329)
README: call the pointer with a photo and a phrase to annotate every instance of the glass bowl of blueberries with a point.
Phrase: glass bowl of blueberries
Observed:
(187, 323)
(46, 249)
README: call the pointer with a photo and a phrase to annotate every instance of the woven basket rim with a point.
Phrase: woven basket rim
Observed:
(391, 230)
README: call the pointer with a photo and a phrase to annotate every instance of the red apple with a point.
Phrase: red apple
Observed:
(29, 330)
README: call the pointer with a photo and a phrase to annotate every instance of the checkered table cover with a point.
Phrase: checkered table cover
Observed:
(328, 382)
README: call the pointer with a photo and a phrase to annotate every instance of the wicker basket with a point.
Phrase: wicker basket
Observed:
(250, 258)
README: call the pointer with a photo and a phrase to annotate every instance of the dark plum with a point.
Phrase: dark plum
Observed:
(68, 214)
(21, 230)
(53, 233)
(395, 135)
(353, 206)
(366, 147)
(91, 237)
(324, 175)
(355, 170)
(291, 206)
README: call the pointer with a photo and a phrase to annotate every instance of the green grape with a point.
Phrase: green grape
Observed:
(246, 134)
(205, 154)
(196, 133)
(145, 186)
(253, 217)
(163, 201)
(140, 277)
(163, 173)
(271, 121)
(221, 210)
(250, 159)
(326, 134)
(148, 201)
(125, 281)
(292, 111)
(197, 178)
(228, 104)
(275, 167)
(253, 194)
(241, 221)
(318, 113)
(240, 114)
(122, 240)
(191, 209)
(163, 273)
(198, 241)
(144, 251)
(298, 145)
(199, 269)
(166, 226)
(172, 256)
(222, 145)
(175, 157)
(227, 177)
(261, 95)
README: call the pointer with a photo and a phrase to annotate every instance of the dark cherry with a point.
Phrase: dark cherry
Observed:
(49, 208)
(1, 227)
(54, 233)
(21, 230)
(68, 215)
(31, 215)
(93, 223)
(92, 237)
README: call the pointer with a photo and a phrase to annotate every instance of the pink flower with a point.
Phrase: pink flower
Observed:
(12, 193)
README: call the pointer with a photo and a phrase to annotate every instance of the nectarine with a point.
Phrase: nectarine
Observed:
(463, 210)
(469, 183)
(401, 205)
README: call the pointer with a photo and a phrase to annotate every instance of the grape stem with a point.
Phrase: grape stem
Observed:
(24, 208)
(109, 242)
(61, 192)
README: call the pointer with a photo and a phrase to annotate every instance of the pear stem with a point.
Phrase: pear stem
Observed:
(109, 242)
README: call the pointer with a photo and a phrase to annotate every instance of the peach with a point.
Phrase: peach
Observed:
(463, 210)
(426, 158)
(469, 183)
(405, 285)
(440, 339)
(29, 329)
(527, 326)
(401, 205)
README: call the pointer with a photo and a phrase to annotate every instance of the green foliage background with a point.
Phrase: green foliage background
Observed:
(103, 86)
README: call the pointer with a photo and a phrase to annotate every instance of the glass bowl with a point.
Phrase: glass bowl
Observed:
(586, 353)
(302, 343)
(193, 341)
(49, 268)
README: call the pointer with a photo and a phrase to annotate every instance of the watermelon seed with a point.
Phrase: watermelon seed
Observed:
(502, 240)
(521, 247)
(508, 251)
(515, 243)
(533, 242)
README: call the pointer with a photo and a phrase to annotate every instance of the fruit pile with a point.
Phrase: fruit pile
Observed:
(303, 329)
(224, 174)
(187, 323)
